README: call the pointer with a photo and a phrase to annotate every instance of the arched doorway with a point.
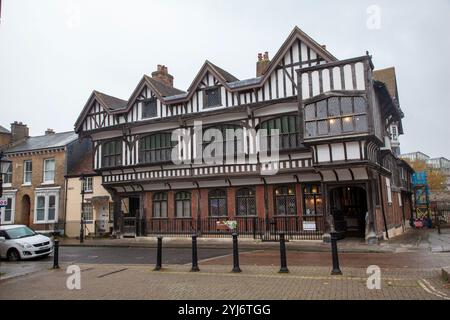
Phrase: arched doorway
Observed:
(26, 210)
(349, 207)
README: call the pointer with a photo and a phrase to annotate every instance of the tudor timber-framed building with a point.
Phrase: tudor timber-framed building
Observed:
(336, 169)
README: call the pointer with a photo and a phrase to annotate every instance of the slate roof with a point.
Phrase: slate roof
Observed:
(48, 141)
(225, 74)
(163, 90)
(82, 166)
(4, 130)
(111, 102)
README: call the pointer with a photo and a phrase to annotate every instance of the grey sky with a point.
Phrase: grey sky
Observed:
(53, 53)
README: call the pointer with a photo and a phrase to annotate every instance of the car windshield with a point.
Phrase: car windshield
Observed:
(20, 232)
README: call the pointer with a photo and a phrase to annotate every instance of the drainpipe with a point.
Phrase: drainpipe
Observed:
(65, 203)
(382, 205)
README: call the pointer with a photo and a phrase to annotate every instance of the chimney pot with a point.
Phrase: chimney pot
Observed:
(49, 131)
(262, 63)
(162, 75)
(19, 131)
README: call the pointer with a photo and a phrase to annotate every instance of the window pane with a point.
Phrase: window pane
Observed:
(346, 105)
(335, 126)
(360, 105)
(322, 109)
(164, 209)
(310, 111)
(149, 109)
(360, 123)
(49, 165)
(311, 129)
(333, 107)
(40, 208)
(347, 124)
(8, 210)
(322, 127)
(187, 208)
(179, 209)
(156, 209)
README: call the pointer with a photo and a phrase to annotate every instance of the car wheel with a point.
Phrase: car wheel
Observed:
(13, 255)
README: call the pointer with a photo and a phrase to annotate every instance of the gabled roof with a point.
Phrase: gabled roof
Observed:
(110, 102)
(49, 141)
(4, 130)
(162, 89)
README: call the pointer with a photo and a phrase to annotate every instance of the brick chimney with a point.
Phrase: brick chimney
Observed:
(19, 131)
(262, 64)
(162, 75)
(49, 131)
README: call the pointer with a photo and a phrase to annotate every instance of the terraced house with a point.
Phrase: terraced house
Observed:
(34, 179)
(337, 168)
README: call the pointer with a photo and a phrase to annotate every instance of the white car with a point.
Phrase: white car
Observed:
(20, 242)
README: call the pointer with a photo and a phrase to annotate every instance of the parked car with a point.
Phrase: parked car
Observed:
(21, 242)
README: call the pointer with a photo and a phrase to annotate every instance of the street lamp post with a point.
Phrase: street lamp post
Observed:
(83, 180)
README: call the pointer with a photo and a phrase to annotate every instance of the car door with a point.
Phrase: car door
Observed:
(3, 244)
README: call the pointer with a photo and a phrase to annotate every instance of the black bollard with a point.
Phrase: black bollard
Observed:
(195, 267)
(56, 254)
(283, 268)
(235, 254)
(158, 255)
(334, 252)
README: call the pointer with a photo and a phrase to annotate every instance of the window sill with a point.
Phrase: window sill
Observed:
(44, 222)
(7, 185)
(26, 185)
(45, 183)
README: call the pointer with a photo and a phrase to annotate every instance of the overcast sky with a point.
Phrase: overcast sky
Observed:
(53, 53)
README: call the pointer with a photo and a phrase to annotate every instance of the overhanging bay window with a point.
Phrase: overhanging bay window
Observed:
(287, 129)
(46, 206)
(336, 116)
(156, 148)
(112, 153)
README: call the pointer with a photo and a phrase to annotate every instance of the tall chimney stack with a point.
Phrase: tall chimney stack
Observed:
(162, 75)
(49, 131)
(262, 63)
(19, 131)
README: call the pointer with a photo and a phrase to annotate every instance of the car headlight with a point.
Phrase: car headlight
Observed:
(26, 245)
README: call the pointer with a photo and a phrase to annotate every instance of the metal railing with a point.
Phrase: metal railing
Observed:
(293, 227)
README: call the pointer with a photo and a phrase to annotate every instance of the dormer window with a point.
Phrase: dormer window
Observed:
(149, 109)
(212, 98)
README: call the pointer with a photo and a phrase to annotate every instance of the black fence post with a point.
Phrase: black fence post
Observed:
(334, 252)
(195, 267)
(283, 267)
(235, 253)
(56, 254)
(438, 220)
(255, 222)
(158, 255)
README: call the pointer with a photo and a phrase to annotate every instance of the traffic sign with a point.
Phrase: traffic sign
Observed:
(3, 202)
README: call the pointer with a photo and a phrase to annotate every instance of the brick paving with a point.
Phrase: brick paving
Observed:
(217, 282)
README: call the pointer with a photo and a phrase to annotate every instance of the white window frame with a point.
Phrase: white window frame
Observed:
(12, 196)
(389, 191)
(46, 194)
(85, 184)
(27, 183)
(44, 172)
(9, 184)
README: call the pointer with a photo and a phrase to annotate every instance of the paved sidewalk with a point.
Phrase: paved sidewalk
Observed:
(217, 282)
(413, 240)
